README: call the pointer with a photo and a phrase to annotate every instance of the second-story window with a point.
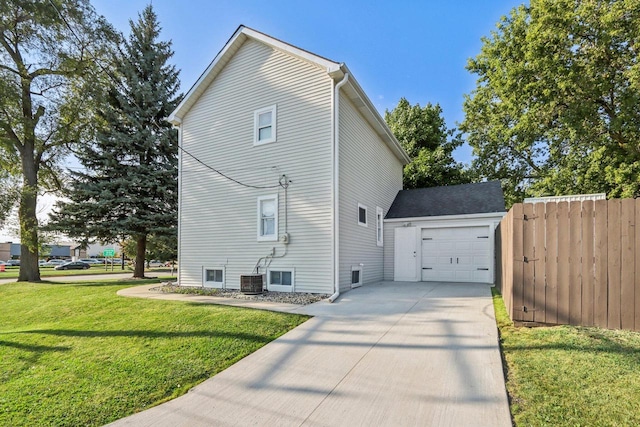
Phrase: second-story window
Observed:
(265, 125)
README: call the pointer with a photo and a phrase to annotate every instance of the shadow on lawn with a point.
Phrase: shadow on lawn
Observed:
(149, 334)
(600, 342)
(31, 347)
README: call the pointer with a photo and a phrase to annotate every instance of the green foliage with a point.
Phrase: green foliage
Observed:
(79, 355)
(130, 187)
(423, 134)
(556, 109)
(43, 67)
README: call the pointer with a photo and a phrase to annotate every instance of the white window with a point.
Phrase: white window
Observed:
(280, 279)
(379, 221)
(268, 218)
(213, 277)
(356, 276)
(264, 125)
(362, 215)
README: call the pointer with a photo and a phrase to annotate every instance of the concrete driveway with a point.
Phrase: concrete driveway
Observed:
(390, 354)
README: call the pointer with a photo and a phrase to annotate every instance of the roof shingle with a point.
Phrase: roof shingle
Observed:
(482, 197)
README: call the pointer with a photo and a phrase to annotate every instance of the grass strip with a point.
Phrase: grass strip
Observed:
(78, 354)
(568, 375)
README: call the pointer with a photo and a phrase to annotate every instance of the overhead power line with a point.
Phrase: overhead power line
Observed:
(118, 83)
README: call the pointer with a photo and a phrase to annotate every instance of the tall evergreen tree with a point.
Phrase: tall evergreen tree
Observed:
(129, 189)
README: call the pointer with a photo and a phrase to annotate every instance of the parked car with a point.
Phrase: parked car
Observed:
(91, 261)
(73, 265)
(53, 263)
(13, 262)
(156, 263)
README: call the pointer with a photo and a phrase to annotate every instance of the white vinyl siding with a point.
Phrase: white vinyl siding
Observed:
(218, 217)
(370, 175)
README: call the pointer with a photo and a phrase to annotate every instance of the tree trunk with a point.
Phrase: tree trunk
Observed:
(29, 269)
(141, 249)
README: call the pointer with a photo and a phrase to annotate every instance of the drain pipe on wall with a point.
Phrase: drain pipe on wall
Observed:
(336, 187)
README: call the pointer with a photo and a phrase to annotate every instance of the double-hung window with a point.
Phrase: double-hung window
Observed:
(264, 125)
(268, 218)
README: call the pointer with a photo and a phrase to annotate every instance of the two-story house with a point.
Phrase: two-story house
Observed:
(286, 168)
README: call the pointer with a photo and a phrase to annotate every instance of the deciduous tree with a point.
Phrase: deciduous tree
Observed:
(424, 136)
(556, 109)
(44, 60)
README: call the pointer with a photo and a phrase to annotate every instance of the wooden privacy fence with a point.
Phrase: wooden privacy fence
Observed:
(575, 263)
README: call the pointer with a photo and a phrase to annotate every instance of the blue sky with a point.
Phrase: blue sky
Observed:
(413, 49)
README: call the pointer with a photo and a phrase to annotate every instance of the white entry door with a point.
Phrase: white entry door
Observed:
(456, 254)
(405, 260)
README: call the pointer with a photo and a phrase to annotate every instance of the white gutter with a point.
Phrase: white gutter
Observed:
(336, 187)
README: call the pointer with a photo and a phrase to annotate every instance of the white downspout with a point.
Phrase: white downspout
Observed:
(336, 187)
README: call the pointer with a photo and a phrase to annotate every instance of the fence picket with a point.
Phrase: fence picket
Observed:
(528, 262)
(563, 263)
(551, 265)
(600, 253)
(613, 263)
(627, 265)
(540, 303)
(575, 263)
(588, 262)
(518, 265)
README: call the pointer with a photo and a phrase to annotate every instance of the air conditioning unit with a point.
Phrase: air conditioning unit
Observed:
(251, 284)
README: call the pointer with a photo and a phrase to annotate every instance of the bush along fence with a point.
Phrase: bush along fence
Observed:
(575, 263)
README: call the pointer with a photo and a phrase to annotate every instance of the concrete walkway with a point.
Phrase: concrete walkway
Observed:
(390, 354)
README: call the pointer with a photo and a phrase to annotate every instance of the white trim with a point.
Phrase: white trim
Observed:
(356, 268)
(179, 201)
(366, 215)
(448, 217)
(207, 284)
(379, 225)
(256, 125)
(270, 237)
(281, 288)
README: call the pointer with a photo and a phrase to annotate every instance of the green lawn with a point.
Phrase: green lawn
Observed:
(78, 354)
(12, 272)
(570, 376)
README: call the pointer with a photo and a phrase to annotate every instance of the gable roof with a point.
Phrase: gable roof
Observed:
(464, 199)
(335, 71)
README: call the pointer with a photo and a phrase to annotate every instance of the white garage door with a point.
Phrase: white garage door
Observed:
(456, 254)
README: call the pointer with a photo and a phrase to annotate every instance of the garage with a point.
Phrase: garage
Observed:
(455, 254)
(444, 234)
